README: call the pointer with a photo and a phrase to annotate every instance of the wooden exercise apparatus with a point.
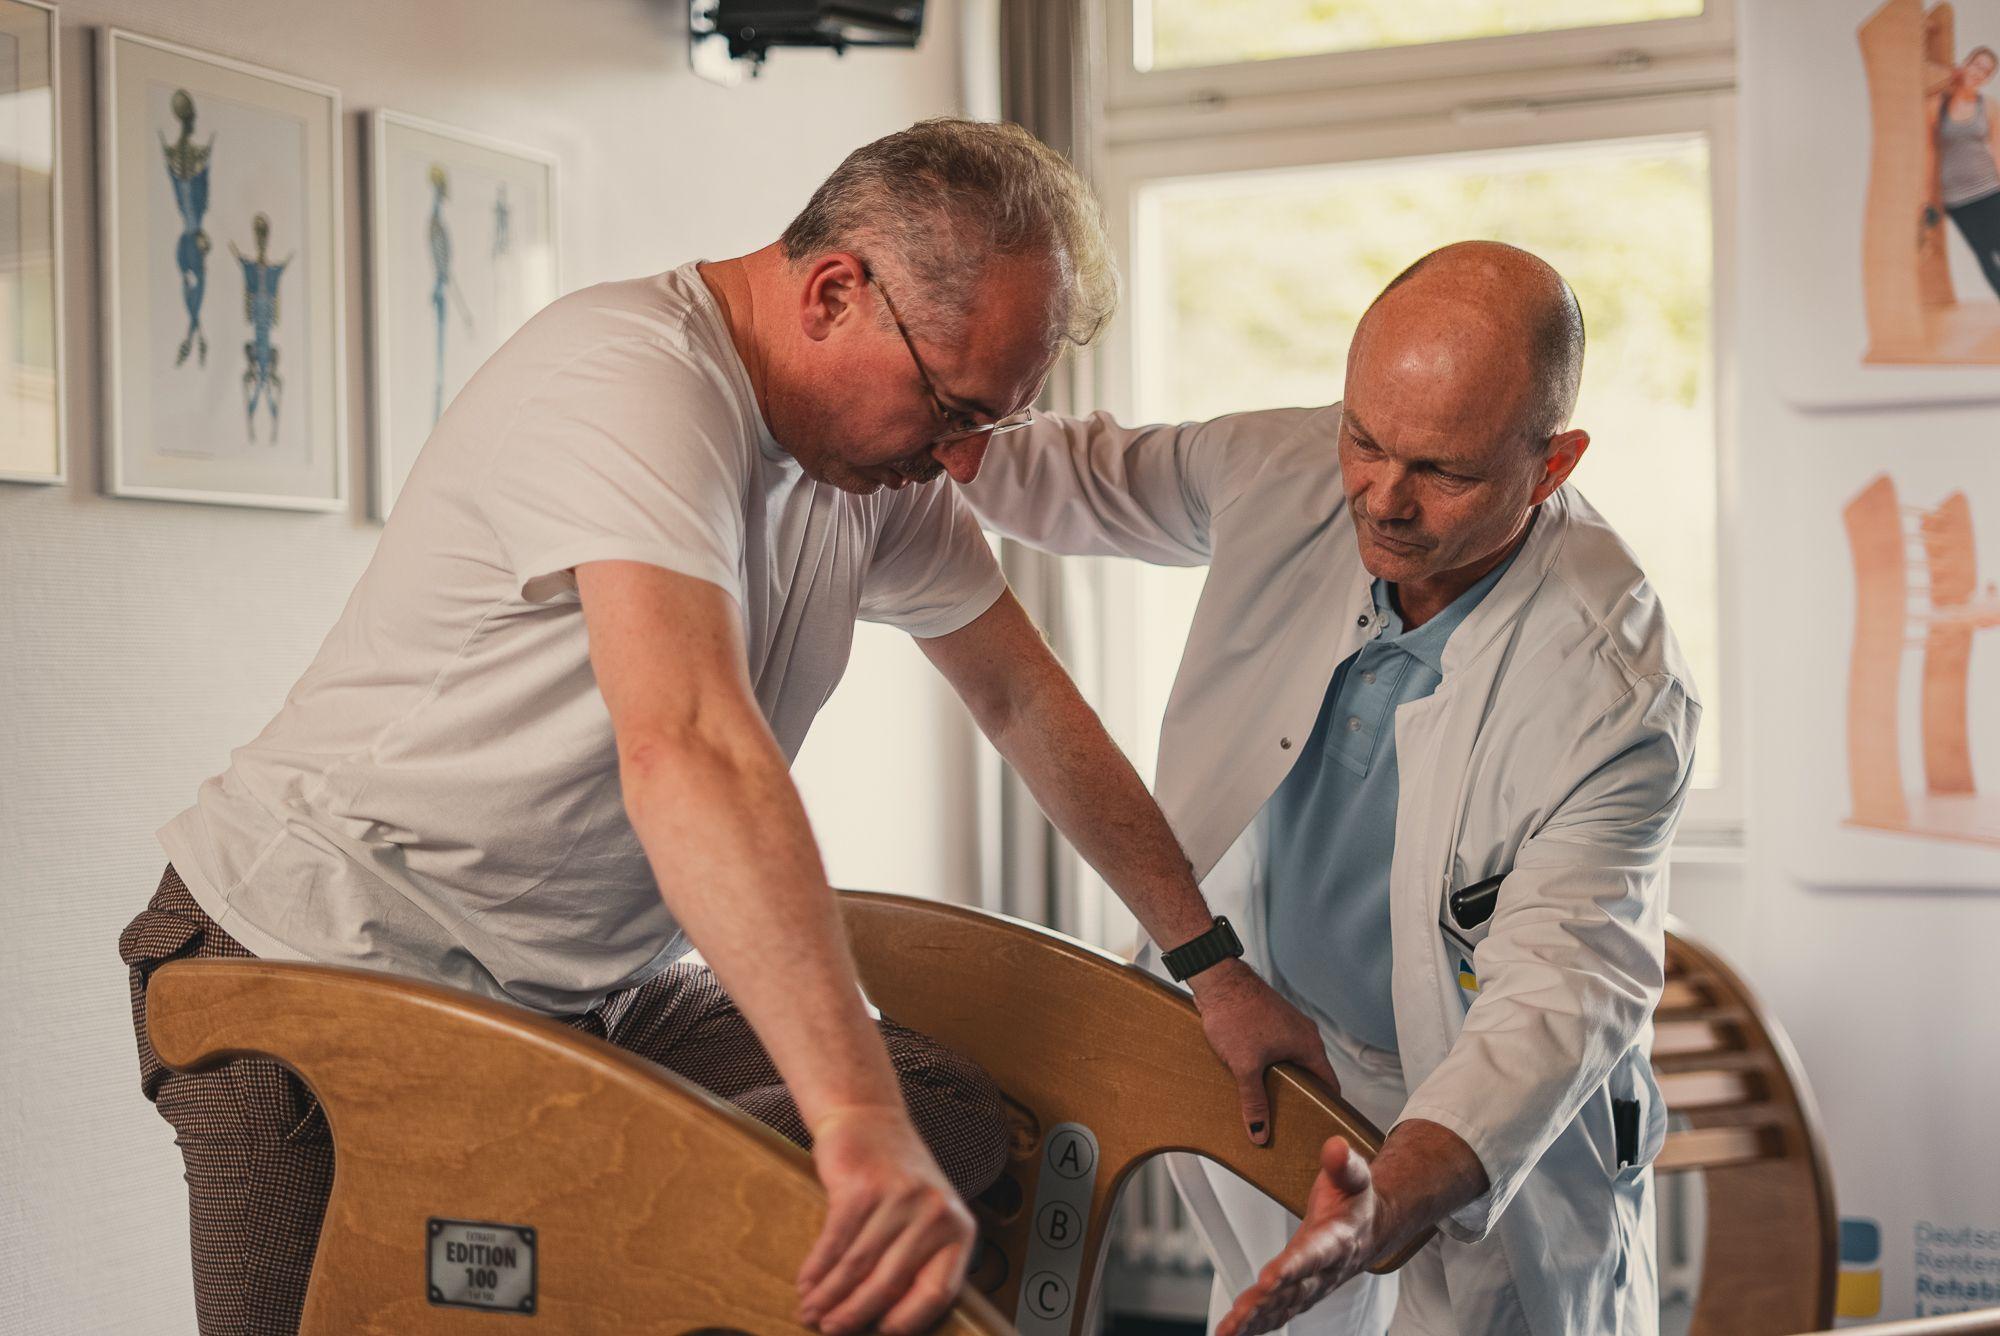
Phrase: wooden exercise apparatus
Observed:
(1743, 1116)
(1743, 1113)
(1103, 1065)
(1915, 586)
(631, 1201)
(655, 1207)
(1913, 315)
(610, 1196)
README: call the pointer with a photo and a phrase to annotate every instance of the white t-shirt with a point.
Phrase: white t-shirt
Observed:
(439, 795)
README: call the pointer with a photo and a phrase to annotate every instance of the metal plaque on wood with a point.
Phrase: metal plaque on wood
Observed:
(477, 1264)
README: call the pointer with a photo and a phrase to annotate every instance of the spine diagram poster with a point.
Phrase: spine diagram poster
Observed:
(221, 237)
(462, 243)
(1897, 775)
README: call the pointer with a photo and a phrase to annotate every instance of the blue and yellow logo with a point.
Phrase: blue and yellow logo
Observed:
(1860, 1293)
(1466, 978)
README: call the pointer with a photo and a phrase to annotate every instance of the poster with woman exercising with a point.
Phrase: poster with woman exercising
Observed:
(1894, 201)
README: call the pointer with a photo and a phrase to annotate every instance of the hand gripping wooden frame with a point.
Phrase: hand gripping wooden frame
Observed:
(1076, 1037)
(658, 1208)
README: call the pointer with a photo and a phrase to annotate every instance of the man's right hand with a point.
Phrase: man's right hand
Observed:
(1249, 1027)
(707, 789)
(897, 1239)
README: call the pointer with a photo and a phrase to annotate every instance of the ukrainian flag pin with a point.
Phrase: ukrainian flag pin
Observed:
(1466, 978)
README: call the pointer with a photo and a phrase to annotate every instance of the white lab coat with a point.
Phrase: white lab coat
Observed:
(1557, 749)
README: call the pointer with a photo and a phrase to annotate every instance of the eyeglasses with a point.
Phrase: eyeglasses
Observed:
(959, 424)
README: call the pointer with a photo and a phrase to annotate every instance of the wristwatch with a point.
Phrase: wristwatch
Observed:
(1218, 944)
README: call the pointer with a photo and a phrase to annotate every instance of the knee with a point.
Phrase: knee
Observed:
(957, 1108)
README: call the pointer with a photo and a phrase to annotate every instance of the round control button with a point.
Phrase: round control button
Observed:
(1060, 1225)
(1047, 1295)
(1071, 1154)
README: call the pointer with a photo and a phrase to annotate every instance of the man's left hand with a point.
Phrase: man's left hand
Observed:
(1250, 1027)
(1338, 1239)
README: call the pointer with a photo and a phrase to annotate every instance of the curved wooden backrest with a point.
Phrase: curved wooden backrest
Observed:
(648, 1205)
(1103, 1067)
(1746, 1119)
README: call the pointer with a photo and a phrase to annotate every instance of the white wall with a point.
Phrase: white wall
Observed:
(1887, 989)
(140, 640)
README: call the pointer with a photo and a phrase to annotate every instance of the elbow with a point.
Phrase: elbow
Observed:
(670, 764)
(994, 713)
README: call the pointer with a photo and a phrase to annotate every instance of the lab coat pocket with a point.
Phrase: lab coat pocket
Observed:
(1465, 916)
(1638, 1129)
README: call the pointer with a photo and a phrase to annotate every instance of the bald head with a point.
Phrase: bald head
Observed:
(1486, 320)
(1454, 423)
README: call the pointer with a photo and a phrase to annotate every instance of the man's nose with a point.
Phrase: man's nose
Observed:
(1391, 497)
(961, 458)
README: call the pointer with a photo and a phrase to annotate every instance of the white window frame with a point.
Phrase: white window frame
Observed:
(1622, 82)
(1659, 53)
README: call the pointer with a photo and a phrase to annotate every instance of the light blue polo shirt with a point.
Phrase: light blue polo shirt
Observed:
(1333, 822)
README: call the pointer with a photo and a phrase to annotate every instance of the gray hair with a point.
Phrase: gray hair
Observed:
(936, 202)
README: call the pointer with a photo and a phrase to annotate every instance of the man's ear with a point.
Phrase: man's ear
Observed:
(1560, 457)
(834, 284)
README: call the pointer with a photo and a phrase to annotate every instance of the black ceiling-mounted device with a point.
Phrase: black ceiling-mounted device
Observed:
(726, 37)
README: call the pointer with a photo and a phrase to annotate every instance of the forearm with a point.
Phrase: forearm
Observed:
(1093, 795)
(1423, 1173)
(736, 863)
(1091, 487)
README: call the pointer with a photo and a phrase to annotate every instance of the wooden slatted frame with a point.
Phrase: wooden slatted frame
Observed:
(1745, 1120)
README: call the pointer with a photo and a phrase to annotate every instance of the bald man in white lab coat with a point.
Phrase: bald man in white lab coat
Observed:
(1429, 742)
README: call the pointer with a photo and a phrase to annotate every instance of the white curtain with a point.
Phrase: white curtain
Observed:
(1041, 52)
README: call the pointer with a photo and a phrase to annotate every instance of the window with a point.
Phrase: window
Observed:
(1246, 290)
(1258, 225)
(1170, 34)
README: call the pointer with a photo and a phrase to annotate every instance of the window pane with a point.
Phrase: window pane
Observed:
(1247, 287)
(1170, 34)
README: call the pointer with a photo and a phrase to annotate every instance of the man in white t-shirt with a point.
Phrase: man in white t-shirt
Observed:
(545, 748)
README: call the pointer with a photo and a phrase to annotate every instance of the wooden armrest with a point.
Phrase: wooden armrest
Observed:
(1074, 1035)
(653, 1206)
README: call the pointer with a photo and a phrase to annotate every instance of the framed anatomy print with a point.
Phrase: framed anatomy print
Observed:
(31, 395)
(221, 237)
(462, 242)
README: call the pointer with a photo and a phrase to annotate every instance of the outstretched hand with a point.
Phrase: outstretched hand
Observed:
(1336, 1242)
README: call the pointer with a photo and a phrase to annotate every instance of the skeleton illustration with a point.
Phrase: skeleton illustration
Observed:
(187, 169)
(261, 381)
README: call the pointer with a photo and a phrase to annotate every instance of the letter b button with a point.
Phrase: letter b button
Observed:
(1060, 1225)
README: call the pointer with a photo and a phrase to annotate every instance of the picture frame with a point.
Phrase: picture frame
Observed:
(224, 364)
(462, 247)
(33, 426)
(1890, 303)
